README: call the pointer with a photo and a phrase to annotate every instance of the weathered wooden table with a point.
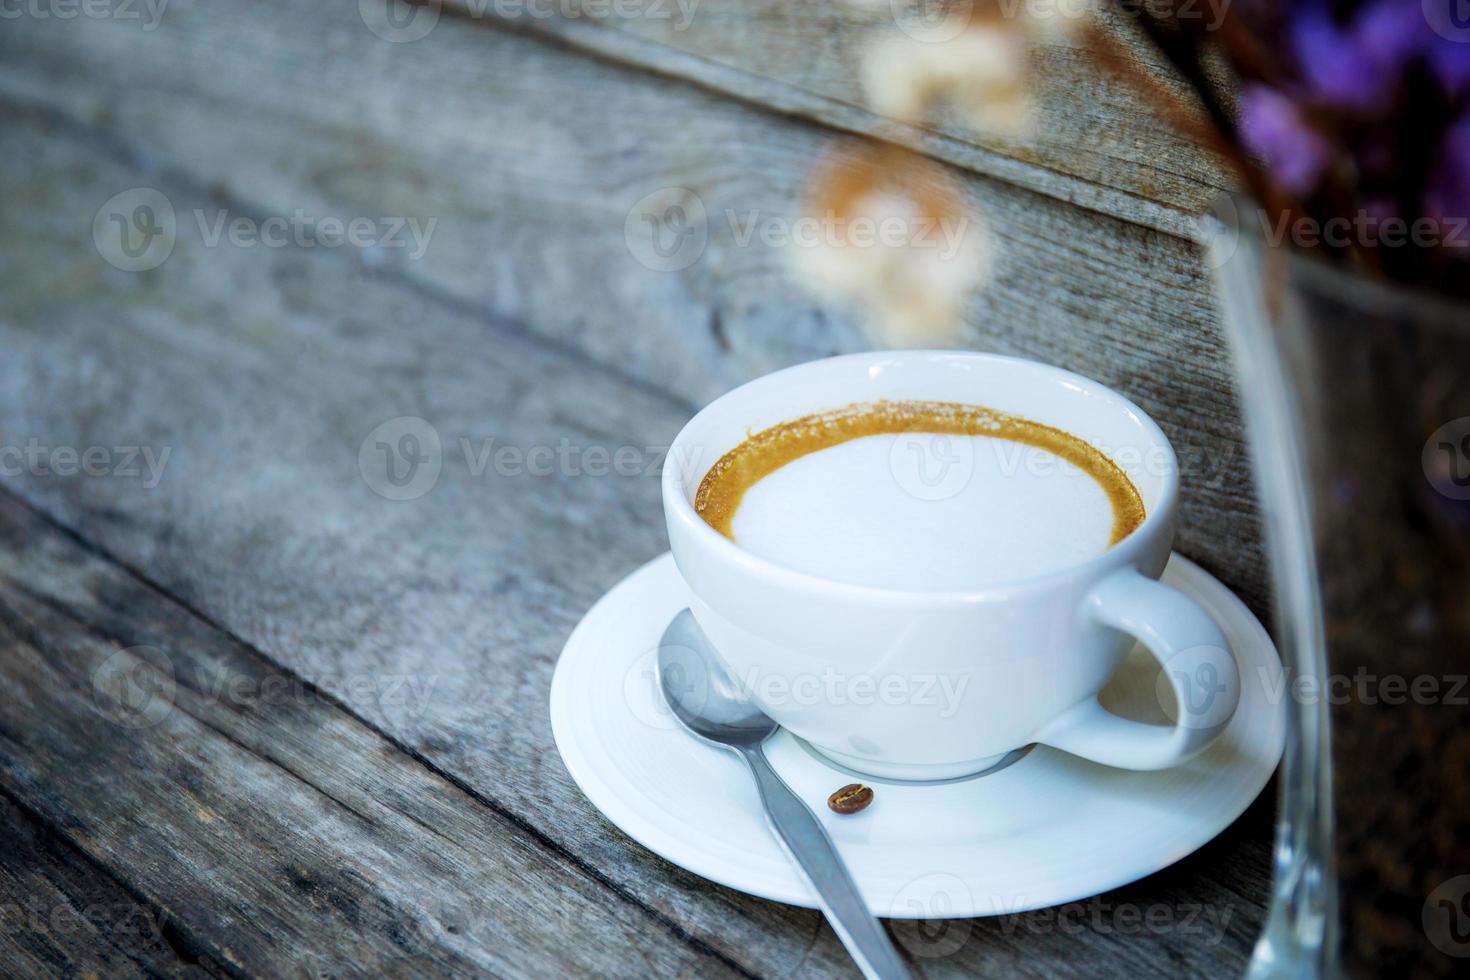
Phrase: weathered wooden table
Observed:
(259, 717)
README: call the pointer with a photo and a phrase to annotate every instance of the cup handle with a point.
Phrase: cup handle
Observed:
(1196, 659)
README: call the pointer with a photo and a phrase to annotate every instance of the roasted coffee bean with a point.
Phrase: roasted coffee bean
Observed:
(851, 798)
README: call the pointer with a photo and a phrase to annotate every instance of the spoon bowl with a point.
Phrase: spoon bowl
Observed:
(705, 697)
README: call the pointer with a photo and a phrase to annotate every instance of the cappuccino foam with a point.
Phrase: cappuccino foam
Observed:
(919, 495)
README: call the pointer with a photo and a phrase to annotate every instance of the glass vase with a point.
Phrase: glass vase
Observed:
(1356, 399)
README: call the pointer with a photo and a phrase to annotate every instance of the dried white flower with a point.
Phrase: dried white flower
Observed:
(983, 73)
(893, 237)
(1056, 20)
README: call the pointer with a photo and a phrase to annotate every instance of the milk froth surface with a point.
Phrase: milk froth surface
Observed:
(926, 511)
(919, 495)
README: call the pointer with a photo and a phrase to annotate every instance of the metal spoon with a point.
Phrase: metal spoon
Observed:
(712, 706)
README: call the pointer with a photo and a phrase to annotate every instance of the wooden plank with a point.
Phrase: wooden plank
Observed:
(269, 830)
(1098, 142)
(61, 915)
(293, 354)
(262, 371)
(278, 106)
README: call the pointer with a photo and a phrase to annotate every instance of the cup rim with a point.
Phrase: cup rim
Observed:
(678, 506)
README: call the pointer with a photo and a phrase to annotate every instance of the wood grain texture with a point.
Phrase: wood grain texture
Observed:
(533, 158)
(263, 371)
(270, 831)
(62, 915)
(1097, 142)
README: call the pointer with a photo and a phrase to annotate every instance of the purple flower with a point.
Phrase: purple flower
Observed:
(1335, 66)
(1273, 129)
(1380, 209)
(1449, 186)
(1451, 63)
(1392, 31)
(1358, 65)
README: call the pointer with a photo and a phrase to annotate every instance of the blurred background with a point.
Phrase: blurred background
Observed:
(614, 181)
(247, 244)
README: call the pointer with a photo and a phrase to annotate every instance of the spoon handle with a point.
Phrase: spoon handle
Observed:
(806, 842)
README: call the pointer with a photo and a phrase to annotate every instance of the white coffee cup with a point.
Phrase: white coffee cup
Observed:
(923, 684)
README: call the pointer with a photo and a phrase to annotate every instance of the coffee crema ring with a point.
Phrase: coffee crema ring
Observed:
(761, 454)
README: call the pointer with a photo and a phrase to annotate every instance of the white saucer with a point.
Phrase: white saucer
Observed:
(1047, 830)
